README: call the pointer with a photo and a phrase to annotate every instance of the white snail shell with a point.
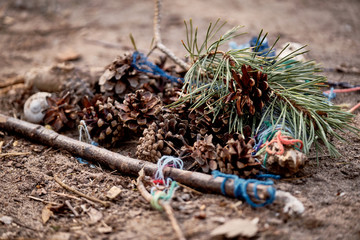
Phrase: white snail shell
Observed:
(34, 107)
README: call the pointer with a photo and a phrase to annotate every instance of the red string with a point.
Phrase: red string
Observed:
(343, 90)
(354, 108)
(281, 140)
(158, 181)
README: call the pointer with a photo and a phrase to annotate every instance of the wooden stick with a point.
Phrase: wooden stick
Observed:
(157, 38)
(105, 203)
(165, 205)
(127, 165)
(14, 154)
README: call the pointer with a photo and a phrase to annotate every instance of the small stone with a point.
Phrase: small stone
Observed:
(113, 192)
(6, 220)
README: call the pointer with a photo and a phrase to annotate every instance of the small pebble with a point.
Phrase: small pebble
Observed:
(200, 215)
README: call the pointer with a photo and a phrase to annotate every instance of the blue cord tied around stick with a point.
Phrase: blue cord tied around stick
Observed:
(140, 63)
(240, 188)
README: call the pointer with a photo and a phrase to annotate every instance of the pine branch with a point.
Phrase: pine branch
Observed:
(295, 101)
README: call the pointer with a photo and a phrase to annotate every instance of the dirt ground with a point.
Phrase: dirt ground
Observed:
(34, 32)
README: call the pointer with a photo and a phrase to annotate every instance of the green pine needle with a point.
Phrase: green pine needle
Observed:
(296, 100)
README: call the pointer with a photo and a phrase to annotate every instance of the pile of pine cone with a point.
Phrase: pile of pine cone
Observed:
(129, 102)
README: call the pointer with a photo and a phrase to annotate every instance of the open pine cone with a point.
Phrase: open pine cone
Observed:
(139, 110)
(164, 137)
(61, 113)
(102, 118)
(250, 90)
(235, 157)
(121, 78)
(202, 152)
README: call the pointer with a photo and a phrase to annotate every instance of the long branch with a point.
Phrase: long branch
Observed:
(119, 162)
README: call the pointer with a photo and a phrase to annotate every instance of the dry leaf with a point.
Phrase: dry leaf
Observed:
(94, 215)
(46, 213)
(113, 192)
(236, 227)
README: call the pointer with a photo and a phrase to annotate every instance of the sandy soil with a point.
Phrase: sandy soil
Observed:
(33, 32)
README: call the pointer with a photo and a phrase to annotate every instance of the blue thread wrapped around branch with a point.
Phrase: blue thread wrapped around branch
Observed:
(240, 188)
(140, 63)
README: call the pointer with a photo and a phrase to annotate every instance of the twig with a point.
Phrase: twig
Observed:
(68, 204)
(127, 165)
(12, 81)
(1, 145)
(166, 206)
(189, 188)
(14, 154)
(157, 38)
(105, 203)
(44, 201)
(8, 144)
(67, 195)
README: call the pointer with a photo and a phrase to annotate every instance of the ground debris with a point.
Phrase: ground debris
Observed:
(235, 228)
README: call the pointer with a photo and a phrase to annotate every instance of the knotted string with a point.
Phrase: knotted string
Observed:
(168, 183)
(240, 188)
(84, 136)
(140, 63)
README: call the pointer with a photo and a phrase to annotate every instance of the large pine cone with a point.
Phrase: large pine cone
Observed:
(250, 90)
(102, 117)
(163, 137)
(202, 152)
(61, 113)
(235, 157)
(139, 110)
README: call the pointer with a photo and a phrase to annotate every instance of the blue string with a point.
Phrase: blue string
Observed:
(261, 49)
(240, 188)
(267, 175)
(140, 63)
(330, 95)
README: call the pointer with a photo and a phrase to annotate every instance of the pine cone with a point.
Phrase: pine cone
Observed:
(139, 110)
(61, 113)
(78, 88)
(163, 137)
(121, 78)
(202, 122)
(235, 158)
(202, 152)
(171, 93)
(103, 120)
(250, 90)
